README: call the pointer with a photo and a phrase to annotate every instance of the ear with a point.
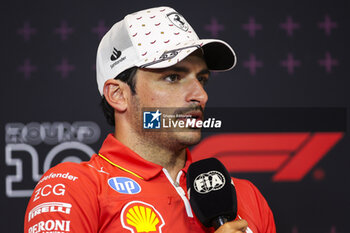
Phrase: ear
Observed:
(116, 94)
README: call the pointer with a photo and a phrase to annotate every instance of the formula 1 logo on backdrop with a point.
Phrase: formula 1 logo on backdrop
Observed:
(290, 156)
(25, 141)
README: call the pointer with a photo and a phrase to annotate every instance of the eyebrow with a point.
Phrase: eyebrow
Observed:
(205, 71)
(186, 70)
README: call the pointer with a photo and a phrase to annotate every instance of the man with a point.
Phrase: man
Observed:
(137, 181)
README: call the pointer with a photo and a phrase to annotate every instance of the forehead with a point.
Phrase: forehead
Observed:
(195, 59)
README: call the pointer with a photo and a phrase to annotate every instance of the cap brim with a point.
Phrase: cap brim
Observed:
(218, 55)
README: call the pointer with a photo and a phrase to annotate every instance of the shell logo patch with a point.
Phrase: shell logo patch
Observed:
(138, 216)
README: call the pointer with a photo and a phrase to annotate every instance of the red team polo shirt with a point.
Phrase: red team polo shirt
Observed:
(118, 191)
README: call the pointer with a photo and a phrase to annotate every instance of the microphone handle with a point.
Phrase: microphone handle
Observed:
(219, 221)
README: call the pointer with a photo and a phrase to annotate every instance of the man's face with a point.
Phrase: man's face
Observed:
(180, 88)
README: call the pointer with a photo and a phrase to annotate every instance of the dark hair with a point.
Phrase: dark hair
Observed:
(127, 76)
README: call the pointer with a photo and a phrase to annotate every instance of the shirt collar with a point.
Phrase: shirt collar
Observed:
(126, 159)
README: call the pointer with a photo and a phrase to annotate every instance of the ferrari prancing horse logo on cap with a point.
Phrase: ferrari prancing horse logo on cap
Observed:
(178, 21)
(138, 216)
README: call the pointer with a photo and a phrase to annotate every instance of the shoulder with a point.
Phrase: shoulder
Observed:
(248, 192)
(69, 172)
(67, 182)
(68, 192)
(73, 178)
(252, 206)
(243, 184)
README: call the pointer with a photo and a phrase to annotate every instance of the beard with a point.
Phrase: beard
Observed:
(172, 138)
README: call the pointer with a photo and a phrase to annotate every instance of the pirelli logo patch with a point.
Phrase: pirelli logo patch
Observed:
(49, 207)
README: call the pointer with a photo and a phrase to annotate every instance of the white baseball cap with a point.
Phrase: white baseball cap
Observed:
(155, 38)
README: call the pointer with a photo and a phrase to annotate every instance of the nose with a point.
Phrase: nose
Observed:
(196, 93)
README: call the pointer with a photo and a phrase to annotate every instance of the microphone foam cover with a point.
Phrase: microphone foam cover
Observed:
(211, 191)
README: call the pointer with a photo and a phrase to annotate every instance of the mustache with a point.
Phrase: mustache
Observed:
(189, 109)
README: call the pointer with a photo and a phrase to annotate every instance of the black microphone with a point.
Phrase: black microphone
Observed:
(211, 192)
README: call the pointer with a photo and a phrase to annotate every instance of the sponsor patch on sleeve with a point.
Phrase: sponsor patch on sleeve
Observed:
(50, 226)
(49, 207)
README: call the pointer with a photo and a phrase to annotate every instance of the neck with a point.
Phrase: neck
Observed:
(172, 160)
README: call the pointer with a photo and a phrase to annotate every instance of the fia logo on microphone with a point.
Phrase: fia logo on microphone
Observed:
(210, 181)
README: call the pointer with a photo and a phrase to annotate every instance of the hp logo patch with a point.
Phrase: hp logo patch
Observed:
(210, 181)
(151, 120)
(124, 185)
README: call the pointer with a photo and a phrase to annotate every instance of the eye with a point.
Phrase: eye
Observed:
(172, 78)
(203, 80)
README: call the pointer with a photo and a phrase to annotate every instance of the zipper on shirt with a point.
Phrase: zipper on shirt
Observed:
(180, 191)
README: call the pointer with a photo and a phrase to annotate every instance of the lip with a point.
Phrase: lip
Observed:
(198, 115)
